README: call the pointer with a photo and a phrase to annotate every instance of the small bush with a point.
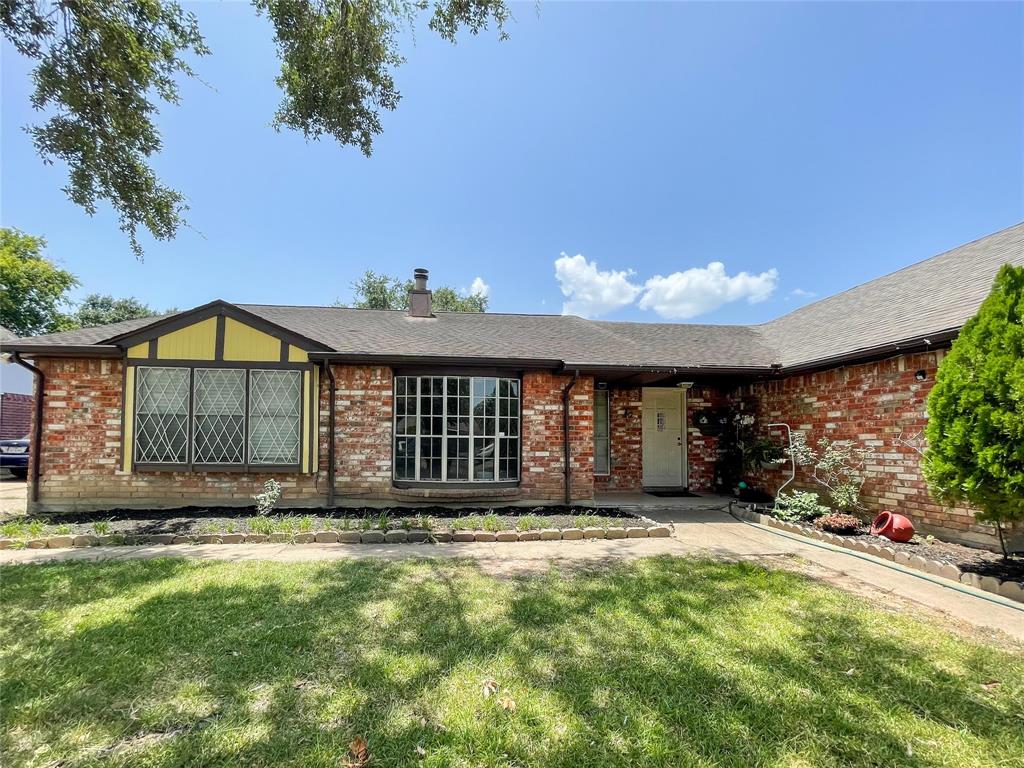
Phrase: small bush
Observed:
(470, 523)
(266, 501)
(306, 523)
(798, 506)
(101, 527)
(35, 529)
(12, 530)
(492, 523)
(839, 523)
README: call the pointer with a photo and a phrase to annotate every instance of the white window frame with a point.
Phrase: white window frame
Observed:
(445, 436)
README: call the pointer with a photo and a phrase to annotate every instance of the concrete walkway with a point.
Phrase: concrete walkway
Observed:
(705, 532)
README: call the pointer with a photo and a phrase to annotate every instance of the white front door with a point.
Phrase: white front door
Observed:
(664, 449)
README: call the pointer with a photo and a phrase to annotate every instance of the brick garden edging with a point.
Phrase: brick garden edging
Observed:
(1012, 590)
(414, 536)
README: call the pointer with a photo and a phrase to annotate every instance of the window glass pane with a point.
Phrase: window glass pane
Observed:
(161, 415)
(483, 458)
(275, 410)
(460, 433)
(218, 421)
(602, 457)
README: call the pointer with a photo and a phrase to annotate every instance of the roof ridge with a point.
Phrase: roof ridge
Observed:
(403, 311)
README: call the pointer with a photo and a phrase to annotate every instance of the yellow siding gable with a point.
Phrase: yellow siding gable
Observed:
(194, 342)
(296, 355)
(248, 344)
(139, 350)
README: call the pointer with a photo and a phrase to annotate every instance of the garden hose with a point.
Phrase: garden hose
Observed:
(892, 566)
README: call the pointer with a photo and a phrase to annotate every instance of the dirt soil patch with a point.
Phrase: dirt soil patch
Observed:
(200, 520)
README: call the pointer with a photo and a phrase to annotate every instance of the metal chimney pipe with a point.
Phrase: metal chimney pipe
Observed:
(420, 302)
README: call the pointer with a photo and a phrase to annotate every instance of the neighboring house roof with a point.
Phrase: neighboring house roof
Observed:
(921, 305)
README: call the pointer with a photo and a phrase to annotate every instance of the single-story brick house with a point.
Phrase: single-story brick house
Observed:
(340, 405)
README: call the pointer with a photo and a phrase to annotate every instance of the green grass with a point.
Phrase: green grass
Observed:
(660, 662)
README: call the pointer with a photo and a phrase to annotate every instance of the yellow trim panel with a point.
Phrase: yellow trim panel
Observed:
(193, 342)
(296, 355)
(245, 344)
(129, 418)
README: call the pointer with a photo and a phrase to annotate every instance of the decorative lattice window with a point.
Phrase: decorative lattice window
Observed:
(275, 417)
(199, 416)
(161, 415)
(218, 420)
(456, 428)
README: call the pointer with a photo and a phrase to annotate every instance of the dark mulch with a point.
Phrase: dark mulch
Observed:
(967, 559)
(196, 520)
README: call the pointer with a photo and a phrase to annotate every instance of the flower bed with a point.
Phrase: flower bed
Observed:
(362, 525)
(976, 567)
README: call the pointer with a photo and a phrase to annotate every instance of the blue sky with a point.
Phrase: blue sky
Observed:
(811, 146)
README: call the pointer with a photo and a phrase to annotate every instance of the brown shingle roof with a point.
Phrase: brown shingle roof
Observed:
(932, 297)
(935, 295)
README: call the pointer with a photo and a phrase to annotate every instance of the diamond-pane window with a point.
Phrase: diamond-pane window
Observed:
(161, 415)
(275, 413)
(218, 431)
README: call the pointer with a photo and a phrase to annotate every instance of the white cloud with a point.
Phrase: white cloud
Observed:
(697, 291)
(479, 287)
(800, 293)
(591, 292)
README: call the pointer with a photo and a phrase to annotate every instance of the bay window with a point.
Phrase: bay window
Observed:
(222, 417)
(456, 429)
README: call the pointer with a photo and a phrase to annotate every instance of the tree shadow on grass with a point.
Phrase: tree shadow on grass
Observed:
(663, 662)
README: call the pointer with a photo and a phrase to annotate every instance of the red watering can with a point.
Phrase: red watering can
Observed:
(894, 527)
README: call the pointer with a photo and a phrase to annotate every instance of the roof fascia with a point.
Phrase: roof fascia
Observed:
(519, 363)
(63, 350)
(923, 343)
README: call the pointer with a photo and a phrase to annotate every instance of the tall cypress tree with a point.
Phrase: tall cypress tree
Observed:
(976, 409)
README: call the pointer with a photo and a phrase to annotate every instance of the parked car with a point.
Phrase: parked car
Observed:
(14, 456)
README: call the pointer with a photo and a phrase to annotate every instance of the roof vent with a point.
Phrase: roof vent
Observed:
(419, 295)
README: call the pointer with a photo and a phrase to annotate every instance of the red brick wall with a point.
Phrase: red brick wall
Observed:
(15, 415)
(626, 409)
(702, 450)
(883, 406)
(542, 435)
(81, 452)
(363, 406)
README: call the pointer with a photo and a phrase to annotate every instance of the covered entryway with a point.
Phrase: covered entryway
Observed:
(664, 437)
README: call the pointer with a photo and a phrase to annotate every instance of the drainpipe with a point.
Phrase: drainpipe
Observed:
(330, 434)
(37, 423)
(565, 437)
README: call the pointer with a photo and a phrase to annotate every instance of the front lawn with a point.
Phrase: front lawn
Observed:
(660, 662)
